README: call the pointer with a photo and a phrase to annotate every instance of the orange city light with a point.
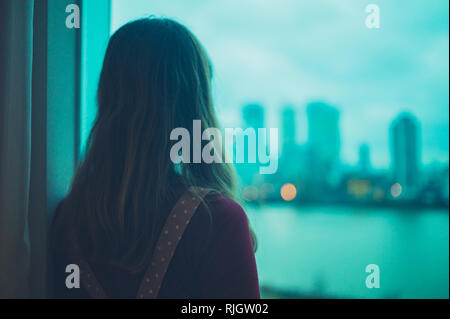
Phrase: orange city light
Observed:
(396, 190)
(288, 192)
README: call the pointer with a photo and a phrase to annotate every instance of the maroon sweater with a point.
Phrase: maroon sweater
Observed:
(214, 259)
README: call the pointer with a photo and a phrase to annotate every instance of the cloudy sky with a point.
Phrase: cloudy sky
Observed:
(279, 52)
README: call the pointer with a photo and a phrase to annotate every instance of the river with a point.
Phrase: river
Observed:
(324, 251)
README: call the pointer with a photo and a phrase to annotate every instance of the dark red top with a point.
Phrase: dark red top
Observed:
(214, 259)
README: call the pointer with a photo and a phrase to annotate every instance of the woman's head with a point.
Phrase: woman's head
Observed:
(156, 77)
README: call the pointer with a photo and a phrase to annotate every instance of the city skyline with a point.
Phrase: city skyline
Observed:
(315, 167)
(289, 124)
(304, 51)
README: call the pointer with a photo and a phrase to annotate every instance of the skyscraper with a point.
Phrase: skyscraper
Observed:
(288, 127)
(292, 160)
(253, 116)
(405, 150)
(323, 144)
(364, 158)
(323, 131)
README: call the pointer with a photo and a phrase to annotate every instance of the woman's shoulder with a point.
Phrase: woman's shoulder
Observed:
(218, 216)
(221, 247)
(223, 209)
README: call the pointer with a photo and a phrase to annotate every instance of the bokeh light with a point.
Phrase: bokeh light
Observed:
(396, 190)
(288, 192)
(250, 193)
(266, 190)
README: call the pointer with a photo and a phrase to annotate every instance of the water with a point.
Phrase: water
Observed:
(324, 250)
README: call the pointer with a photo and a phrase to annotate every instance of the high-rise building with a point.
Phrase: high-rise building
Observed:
(323, 144)
(253, 116)
(405, 150)
(364, 158)
(288, 127)
(323, 131)
(292, 160)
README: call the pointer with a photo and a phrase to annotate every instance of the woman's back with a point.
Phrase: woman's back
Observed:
(214, 259)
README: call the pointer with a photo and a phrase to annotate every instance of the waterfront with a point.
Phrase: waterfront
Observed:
(323, 251)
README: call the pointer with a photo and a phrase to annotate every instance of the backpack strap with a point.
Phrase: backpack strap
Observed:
(171, 234)
(173, 230)
(89, 281)
(87, 278)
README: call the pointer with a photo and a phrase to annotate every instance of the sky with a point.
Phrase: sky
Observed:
(280, 52)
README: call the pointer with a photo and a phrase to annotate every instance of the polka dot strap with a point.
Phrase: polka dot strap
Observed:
(87, 278)
(89, 281)
(171, 234)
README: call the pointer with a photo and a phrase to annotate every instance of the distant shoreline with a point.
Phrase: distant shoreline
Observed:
(398, 206)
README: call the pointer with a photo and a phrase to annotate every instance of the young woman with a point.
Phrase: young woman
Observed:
(136, 224)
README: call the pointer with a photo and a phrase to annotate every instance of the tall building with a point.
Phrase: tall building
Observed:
(405, 150)
(323, 131)
(324, 144)
(292, 160)
(253, 115)
(364, 158)
(288, 127)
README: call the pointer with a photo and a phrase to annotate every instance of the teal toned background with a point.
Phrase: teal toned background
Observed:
(363, 118)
